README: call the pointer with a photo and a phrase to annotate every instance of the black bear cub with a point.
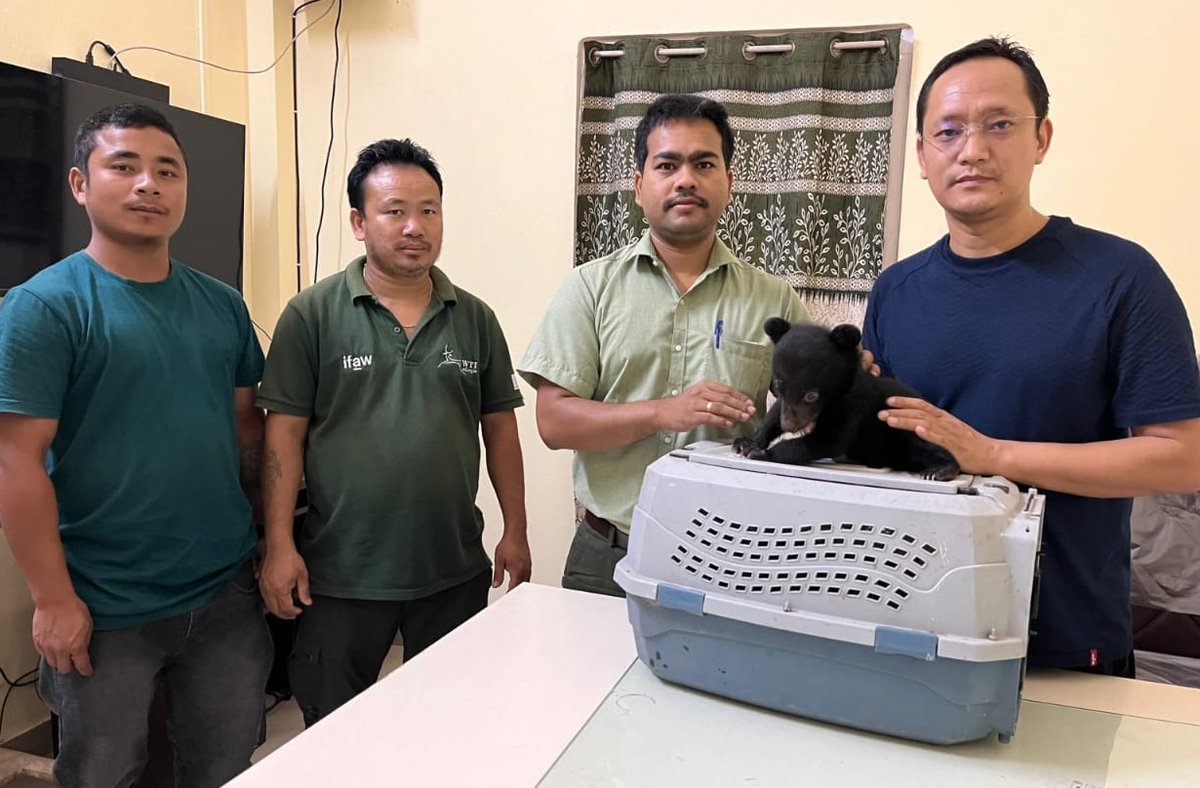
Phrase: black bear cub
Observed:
(832, 404)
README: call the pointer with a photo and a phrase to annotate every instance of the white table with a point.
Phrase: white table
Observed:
(543, 687)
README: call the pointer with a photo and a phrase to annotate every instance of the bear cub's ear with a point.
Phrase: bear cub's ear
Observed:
(776, 327)
(845, 337)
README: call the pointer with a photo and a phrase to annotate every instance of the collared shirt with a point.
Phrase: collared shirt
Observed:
(619, 331)
(392, 454)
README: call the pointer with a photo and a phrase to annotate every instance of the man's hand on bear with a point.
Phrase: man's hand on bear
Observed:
(975, 452)
(706, 402)
(867, 359)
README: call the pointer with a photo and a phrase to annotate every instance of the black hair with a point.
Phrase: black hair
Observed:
(682, 106)
(990, 47)
(385, 152)
(119, 116)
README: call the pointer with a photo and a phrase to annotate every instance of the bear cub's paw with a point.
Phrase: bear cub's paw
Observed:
(748, 448)
(942, 473)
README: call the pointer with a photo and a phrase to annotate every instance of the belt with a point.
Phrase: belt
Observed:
(606, 529)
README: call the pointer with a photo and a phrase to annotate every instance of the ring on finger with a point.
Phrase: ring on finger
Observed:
(708, 406)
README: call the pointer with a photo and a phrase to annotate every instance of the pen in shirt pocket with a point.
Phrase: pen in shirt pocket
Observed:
(718, 328)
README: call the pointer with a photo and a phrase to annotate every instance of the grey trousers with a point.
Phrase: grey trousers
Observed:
(212, 665)
(591, 562)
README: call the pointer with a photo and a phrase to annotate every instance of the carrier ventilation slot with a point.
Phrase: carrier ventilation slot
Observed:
(827, 581)
(888, 551)
(896, 551)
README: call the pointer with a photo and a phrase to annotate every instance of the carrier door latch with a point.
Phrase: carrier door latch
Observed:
(679, 598)
(907, 642)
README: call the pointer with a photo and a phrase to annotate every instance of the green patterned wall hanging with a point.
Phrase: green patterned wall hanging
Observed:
(819, 118)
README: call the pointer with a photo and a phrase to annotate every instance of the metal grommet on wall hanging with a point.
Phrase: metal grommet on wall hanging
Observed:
(664, 53)
(595, 54)
(837, 46)
(750, 50)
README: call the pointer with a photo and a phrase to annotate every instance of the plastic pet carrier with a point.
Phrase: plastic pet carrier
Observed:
(868, 598)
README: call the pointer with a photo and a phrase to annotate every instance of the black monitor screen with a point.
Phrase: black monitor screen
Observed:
(39, 219)
(31, 173)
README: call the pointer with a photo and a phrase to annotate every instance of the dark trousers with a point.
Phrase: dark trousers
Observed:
(341, 643)
(591, 562)
(212, 666)
(1122, 667)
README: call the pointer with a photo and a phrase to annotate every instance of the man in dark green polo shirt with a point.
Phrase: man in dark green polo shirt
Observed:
(377, 385)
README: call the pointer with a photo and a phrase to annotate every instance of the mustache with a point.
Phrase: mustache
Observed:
(686, 197)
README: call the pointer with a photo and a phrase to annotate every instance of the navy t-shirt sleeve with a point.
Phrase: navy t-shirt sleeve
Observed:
(1152, 357)
(871, 338)
(36, 352)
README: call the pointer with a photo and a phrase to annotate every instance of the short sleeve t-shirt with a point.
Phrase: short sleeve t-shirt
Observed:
(145, 462)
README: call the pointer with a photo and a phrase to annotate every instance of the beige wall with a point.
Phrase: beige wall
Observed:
(490, 89)
(31, 33)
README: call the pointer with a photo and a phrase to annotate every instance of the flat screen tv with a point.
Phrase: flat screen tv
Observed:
(40, 222)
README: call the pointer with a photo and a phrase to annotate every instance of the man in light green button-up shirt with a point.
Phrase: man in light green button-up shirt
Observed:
(658, 344)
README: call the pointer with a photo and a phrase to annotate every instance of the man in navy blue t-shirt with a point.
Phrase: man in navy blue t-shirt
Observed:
(1054, 355)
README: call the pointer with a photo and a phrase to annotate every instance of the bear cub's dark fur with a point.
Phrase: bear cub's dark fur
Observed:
(823, 394)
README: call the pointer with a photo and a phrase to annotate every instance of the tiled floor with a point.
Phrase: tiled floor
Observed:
(284, 721)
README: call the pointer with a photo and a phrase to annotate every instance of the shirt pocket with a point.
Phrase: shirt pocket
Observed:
(744, 365)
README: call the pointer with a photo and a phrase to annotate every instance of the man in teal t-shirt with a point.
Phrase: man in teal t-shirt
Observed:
(127, 385)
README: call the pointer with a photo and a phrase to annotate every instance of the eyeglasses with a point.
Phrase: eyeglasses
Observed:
(952, 135)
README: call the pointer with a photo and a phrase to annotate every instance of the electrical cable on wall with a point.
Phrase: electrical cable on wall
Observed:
(114, 63)
(275, 62)
(296, 141)
(27, 679)
(337, 53)
(264, 331)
